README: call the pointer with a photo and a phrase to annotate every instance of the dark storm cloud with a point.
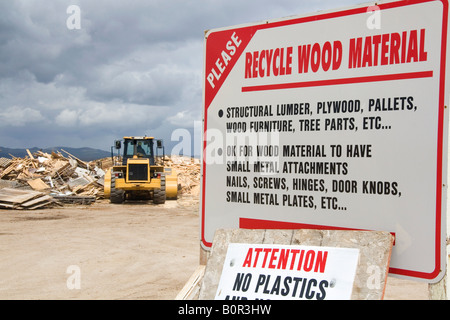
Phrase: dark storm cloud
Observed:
(133, 68)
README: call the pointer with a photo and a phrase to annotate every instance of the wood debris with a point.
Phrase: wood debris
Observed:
(188, 170)
(54, 175)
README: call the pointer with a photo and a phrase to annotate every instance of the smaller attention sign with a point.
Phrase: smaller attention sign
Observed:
(277, 272)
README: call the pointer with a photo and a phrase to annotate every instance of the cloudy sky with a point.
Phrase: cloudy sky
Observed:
(131, 68)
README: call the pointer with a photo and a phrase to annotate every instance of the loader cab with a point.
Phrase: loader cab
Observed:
(141, 147)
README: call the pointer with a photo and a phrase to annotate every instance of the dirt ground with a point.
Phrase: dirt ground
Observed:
(103, 251)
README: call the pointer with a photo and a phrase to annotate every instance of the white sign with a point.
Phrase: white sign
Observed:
(279, 272)
(333, 121)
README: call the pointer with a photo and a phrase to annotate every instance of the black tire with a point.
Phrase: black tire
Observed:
(159, 195)
(117, 195)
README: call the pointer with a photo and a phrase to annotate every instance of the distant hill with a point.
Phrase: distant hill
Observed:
(85, 154)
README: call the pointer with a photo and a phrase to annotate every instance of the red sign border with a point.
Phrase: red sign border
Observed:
(253, 29)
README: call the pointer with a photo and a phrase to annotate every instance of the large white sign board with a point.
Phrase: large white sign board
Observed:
(335, 120)
(286, 272)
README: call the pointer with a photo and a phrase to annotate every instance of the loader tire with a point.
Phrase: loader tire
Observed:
(117, 195)
(159, 195)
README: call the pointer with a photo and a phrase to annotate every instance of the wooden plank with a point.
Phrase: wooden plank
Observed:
(192, 286)
(29, 154)
(30, 204)
(38, 184)
(32, 158)
(37, 206)
(6, 205)
(10, 195)
(81, 162)
(35, 201)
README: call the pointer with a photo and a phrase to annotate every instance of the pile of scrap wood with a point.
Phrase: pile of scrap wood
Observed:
(64, 177)
(188, 170)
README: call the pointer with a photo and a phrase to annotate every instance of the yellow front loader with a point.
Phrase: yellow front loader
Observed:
(137, 176)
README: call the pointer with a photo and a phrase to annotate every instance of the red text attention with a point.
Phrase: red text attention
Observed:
(286, 259)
